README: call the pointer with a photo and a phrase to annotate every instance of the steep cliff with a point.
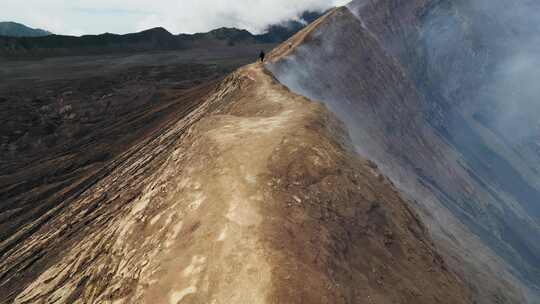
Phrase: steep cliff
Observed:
(407, 101)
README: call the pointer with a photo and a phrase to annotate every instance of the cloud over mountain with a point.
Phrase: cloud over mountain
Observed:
(123, 16)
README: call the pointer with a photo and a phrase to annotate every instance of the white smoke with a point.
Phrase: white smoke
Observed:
(503, 49)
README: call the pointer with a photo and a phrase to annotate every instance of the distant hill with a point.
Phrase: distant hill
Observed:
(152, 39)
(59, 45)
(13, 29)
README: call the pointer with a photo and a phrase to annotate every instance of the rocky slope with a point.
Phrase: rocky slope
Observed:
(405, 80)
(256, 196)
(65, 119)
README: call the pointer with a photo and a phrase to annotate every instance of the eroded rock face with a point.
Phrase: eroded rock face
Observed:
(409, 104)
(255, 197)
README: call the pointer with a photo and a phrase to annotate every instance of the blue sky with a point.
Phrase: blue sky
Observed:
(78, 17)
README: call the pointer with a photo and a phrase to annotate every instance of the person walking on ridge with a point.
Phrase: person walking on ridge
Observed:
(261, 56)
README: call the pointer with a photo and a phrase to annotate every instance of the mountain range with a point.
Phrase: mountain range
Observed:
(148, 40)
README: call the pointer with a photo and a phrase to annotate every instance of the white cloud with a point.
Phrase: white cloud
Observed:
(178, 16)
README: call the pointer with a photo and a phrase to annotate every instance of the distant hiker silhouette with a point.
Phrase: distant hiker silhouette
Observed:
(261, 56)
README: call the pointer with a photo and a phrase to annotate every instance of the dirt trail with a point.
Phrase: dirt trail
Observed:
(207, 190)
(257, 199)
